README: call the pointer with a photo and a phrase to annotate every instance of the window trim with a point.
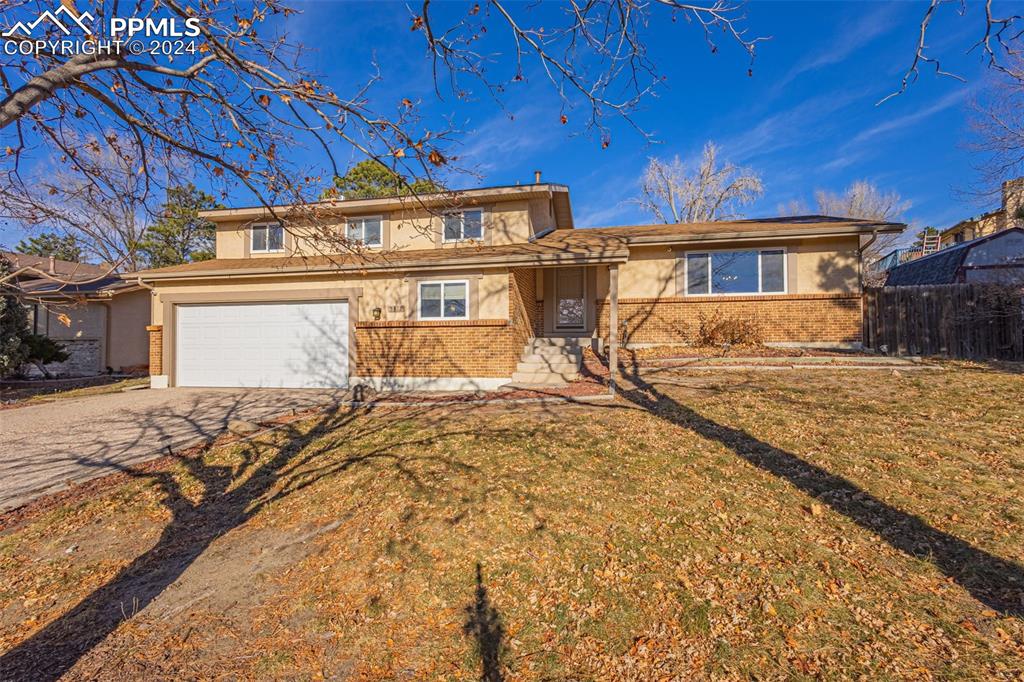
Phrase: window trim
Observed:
(443, 283)
(361, 219)
(758, 250)
(252, 237)
(462, 226)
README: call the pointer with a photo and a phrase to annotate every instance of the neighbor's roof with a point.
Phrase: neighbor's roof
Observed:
(61, 268)
(940, 267)
(792, 227)
(558, 247)
(970, 221)
(558, 194)
(100, 288)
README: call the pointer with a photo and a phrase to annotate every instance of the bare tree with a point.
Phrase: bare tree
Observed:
(998, 127)
(107, 217)
(999, 42)
(862, 200)
(241, 103)
(671, 192)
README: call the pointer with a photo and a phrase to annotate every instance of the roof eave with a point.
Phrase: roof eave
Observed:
(659, 240)
(408, 266)
(504, 193)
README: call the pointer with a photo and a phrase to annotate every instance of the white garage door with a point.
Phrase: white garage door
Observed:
(287, 345)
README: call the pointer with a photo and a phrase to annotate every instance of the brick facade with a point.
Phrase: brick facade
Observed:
(782, 318)
(456, 348)
(156, 349)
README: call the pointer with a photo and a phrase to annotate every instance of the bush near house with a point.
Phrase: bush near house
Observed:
(717, 329)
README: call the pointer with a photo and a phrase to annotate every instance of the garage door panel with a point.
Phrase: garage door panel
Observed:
(288, 345)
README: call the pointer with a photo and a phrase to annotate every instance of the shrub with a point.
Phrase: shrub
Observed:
(42, 350)
(716, 329)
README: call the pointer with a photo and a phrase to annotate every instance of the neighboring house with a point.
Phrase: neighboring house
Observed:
(1009, 214)
(99, 318)
(476, 288)
(995, 259)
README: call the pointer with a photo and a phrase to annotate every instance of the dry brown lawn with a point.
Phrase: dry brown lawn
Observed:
(819, 524)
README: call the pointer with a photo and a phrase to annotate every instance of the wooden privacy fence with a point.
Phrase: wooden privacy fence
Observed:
(973, 321)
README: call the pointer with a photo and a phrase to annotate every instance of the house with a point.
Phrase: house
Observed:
(997, 258)
(99, 318)
(1009, 214)
(477, 288)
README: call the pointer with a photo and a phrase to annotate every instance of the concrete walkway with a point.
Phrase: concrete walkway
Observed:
(43, 447)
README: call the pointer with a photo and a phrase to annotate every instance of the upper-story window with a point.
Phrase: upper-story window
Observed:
(463, 225)
(365, 231)
(736, 272)
(266, 238)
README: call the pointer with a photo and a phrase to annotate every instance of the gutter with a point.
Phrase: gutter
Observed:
(740, 236)
(582, 259)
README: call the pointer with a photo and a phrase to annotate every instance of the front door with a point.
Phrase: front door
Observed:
(570, 299)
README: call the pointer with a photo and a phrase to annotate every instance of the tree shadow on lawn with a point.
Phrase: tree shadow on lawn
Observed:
(484, 625)
(232, 494)
(993, 581)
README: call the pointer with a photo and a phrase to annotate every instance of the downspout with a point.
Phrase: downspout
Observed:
(860, 251)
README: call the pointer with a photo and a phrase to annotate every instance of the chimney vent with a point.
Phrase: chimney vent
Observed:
(53, 265)
(536, 177)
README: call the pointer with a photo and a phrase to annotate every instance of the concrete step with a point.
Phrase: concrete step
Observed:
(539, 379)
(527, 387)
(548, 366)
(560, 341)
(559, 353)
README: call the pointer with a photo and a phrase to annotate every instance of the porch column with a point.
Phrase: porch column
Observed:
(156, 349)
(613, 326)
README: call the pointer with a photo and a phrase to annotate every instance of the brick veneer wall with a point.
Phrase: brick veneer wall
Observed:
(805, 318)
(156, 349)
(523, 309)
(455, 348)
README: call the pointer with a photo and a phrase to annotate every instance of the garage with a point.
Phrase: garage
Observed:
(263, 345)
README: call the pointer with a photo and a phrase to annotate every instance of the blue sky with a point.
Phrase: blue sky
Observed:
(807, 119)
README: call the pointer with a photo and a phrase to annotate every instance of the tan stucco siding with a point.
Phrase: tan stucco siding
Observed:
(825, 266)
(128, 341)
(507, 222)
(649, 273)
(814, 266)
(392, 294)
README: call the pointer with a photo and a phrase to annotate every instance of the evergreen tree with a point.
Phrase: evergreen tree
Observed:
(13, 324)
(919, 237)
(371, 179)
(180, 235)
(64, 247)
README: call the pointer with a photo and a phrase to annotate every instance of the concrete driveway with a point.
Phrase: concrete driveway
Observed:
(43, 447)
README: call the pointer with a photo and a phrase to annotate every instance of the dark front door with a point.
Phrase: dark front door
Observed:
(570, 299)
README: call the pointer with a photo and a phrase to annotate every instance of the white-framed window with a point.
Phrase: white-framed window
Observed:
(460, 226)
(365, 230)
(444, 300)
(740, 271)
(266, 238)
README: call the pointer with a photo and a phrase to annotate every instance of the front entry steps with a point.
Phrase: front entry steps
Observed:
(550, 362)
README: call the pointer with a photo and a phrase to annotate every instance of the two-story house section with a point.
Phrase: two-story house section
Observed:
(479, 288)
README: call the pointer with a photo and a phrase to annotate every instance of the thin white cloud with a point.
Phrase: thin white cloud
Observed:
(852, 36)
(858, 148)
(799, 125)
(507, 138)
